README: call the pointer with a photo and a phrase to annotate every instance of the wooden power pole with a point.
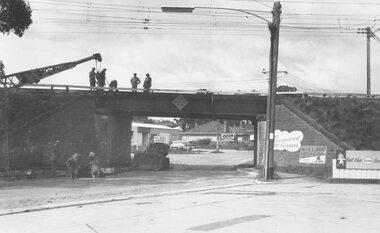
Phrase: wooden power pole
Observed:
(274, 28)
(369, 35)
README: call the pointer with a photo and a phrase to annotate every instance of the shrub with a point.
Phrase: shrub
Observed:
(204, 141)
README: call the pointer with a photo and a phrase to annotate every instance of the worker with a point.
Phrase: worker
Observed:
(102, 78)
(92, 79)
(73, 165)
(135, 81)
(147, 83)
(54, 156)
(94, 165)
(113, 84)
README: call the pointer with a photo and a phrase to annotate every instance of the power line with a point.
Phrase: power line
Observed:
(328, 2)
(83, 9)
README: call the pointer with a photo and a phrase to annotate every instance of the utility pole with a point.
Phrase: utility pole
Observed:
(274, 29)
(370, 34)
(368, 31)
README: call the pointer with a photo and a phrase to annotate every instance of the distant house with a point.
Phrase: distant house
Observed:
(244, 133)
(143, 134)
(211, 129)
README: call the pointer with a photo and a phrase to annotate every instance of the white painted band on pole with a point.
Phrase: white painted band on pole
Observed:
(271, 136)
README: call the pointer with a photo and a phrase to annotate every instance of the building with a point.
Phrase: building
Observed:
(211, 129)
(143, 134)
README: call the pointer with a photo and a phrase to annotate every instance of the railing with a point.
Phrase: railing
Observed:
(71, 88)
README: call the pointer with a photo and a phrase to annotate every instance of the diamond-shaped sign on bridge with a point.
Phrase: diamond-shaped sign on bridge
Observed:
(180, 102)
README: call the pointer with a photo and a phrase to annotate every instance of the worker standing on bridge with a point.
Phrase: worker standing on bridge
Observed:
(135, 81)
(113, 85)
(92, 79)
(147, 83)
(102, 78)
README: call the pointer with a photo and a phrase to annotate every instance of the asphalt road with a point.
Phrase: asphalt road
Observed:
(289, 205)
(188, 171)
(225, 158)
(188, 199)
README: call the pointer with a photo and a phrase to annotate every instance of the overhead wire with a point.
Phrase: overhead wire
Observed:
(325, 24)
(87, 14)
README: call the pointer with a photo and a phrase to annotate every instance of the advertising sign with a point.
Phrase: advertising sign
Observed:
(283, 140)
(341, 159)
(313, 154)
(227, 137)
(362, 159)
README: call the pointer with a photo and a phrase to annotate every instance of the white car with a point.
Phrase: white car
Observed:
(181, 145)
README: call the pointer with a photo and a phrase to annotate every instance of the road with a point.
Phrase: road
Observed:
(288, 205)
(188, 171)
(225, 158)
(188, 199)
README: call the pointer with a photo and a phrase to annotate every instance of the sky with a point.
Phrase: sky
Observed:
(213, 49)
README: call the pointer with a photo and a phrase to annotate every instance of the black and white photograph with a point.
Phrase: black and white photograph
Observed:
(185, 116)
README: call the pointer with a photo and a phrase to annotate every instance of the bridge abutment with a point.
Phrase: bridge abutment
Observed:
(113, 135)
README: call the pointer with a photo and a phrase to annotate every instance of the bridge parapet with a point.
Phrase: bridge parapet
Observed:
(184, 105)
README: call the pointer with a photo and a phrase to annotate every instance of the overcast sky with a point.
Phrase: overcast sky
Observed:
(219, 50)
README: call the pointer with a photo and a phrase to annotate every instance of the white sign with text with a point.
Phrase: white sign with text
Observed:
(289, 141)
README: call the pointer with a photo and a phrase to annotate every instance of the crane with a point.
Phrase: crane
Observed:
(32, 76)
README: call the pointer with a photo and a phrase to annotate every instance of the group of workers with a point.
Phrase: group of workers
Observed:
(73, 165)
(99, 78)
(96, 77)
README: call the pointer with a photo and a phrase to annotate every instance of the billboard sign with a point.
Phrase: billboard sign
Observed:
(313, 154)
(340, 159)
(289, 141)
(362, 159)
(227, 137)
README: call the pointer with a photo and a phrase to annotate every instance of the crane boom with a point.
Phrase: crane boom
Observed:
(35, 75)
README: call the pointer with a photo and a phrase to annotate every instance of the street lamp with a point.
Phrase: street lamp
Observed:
(274, 28)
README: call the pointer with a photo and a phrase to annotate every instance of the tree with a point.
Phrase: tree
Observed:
(15, 16)
(286, 88)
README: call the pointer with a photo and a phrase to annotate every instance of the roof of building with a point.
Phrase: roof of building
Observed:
(152, 126)
(245, 130)
(208, 128)
(211, 128)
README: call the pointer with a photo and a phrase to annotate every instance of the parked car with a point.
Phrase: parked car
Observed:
(181, 145)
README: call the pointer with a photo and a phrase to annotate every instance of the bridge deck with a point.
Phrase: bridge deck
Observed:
(167, 103)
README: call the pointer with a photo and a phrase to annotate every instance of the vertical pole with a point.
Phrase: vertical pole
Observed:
(217, 136)
(369, 32)
(255, 142)
(274, 28)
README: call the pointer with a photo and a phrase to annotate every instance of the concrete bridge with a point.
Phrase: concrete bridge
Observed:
(102, 120)
(217, 106)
